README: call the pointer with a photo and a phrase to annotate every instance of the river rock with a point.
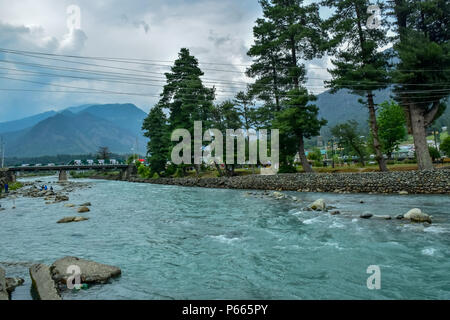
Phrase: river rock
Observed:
(416, 215)
(43, 283)
(403, 192)
(69, 205)
(3, 293)
(72, 219)
(86, 204)
(61, 198)
(83, 209)
(13, 283)
(385, 217)
(366, 215)
(318, 205)
(277, 195)
(91, 272)
(334, 212)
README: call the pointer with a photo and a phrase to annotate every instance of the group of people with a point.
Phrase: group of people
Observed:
(44, 187)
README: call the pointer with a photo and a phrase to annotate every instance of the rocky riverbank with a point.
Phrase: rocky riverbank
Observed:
(402, 182)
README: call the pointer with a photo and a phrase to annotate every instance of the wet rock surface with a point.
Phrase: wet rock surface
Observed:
(72, 219)
(416, 215)
(3, 293)
(43, 284)
(91, 272)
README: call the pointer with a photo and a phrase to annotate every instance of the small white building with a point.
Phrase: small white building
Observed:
(113, 161)
(77, 162)
(90, 162)
(101, 161)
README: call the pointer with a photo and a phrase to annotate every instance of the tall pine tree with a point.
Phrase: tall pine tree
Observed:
(422, 76)
(288, 33)
(185, 96)
(359, 65)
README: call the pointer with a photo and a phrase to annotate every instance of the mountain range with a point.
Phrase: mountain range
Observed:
(76, 130)
(83, 129)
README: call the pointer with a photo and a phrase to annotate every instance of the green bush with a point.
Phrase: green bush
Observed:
(15, 186)
(434, 153)
(143, 171)
(318, 163)
(445, 146)
(179, 173)
(287, 169)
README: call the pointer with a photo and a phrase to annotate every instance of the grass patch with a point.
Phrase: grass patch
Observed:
(15, 186)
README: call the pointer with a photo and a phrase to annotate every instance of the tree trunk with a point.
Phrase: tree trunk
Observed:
(420, 138)
(301, 153)
(374, 128)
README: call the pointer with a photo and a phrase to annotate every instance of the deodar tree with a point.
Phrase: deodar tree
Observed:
(422, 75)
(288, 33)
(156, 129)
(185, 97)
(359, 64)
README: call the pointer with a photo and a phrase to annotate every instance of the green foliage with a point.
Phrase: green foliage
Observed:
(445, 146)
(349, 137)
(434, 153)
(359, 64)
(422, 74)
(156, 129)
(315, 155)
(155, 176)
(392, 125)
(179, 173)
(15, 186)
(285, 168)
(144, 171)
(288, 32)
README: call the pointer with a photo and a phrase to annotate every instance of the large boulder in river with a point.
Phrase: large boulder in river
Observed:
(91, 272)
(318, 205)
(43, 283)
(3, 293)
(416, 215)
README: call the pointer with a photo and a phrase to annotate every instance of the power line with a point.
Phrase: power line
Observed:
(142, 61)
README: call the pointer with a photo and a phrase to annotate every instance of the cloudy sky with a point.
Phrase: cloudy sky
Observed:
(217, 32)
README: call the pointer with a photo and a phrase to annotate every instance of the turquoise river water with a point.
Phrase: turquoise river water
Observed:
(194, 243)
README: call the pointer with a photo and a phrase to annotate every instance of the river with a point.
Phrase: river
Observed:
(193, 243)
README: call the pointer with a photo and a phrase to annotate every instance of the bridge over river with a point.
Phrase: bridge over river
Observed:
(125, 169)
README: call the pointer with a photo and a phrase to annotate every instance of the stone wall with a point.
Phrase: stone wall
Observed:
(424, 182)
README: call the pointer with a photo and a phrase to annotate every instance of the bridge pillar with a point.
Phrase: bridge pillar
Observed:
(62, 175)
(128, 172)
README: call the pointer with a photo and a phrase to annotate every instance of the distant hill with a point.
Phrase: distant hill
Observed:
(126, 116)
(343, 106)
(27, 122)
(116, 126)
